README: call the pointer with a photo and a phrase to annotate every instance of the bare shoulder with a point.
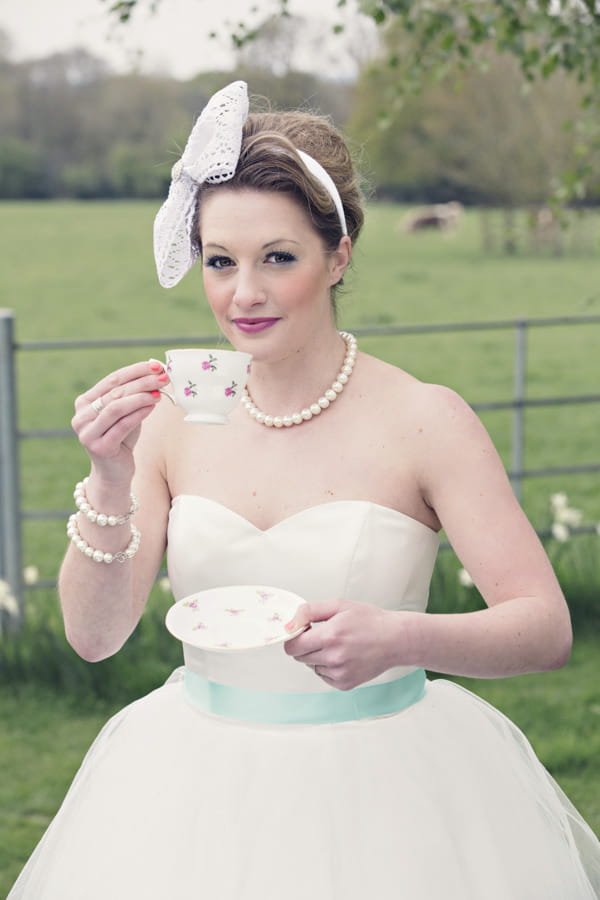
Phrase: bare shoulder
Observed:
(442, 407)
(377, 374)
(456, 455)
(432, 405)
(448, 428)
(441, 436)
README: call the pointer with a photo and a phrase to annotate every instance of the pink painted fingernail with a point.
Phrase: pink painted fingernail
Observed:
(290, 626)
(164, 377)
(155, 394)
(155, 366)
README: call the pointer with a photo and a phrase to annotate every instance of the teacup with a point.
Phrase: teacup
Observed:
(207, 384)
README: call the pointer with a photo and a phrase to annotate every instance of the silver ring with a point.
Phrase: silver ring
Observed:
(97, 405)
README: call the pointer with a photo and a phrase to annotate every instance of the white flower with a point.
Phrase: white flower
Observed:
(560, 532)
(8, 604)
(568, 515)
(164, 584)
(558, 501)
(464, 578)
(31, 574)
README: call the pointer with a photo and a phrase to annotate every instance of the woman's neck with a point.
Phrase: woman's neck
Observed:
(287, 385)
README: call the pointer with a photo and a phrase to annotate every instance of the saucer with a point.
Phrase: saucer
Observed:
(237, 617)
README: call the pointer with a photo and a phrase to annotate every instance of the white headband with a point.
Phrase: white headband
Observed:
(317, 171)
(211, 155)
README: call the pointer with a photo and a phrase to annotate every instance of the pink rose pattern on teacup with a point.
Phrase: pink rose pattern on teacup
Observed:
(207, 365)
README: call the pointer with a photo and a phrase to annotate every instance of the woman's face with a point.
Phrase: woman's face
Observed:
(267, 274)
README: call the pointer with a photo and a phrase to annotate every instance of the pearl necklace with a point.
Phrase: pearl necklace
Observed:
(314, 409)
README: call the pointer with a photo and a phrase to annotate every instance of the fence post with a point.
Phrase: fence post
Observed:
(519, 388)
(10, 517)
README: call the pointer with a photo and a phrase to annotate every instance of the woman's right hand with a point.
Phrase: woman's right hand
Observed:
(108, 417)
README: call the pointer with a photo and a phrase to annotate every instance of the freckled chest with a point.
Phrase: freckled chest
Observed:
(267, 474)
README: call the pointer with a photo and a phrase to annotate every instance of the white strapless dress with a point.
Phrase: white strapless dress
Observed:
(444, 800)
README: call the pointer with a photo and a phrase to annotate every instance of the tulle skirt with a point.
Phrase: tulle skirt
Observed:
(445, 799)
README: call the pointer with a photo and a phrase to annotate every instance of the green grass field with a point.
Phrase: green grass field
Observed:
(82, 271)
(86, 271)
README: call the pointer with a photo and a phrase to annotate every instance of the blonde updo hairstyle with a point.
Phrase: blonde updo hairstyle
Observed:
(269, 162)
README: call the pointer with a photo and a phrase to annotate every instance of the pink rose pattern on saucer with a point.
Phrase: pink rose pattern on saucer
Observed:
(256, 618)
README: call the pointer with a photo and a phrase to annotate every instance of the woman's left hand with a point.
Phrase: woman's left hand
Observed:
(349, 645)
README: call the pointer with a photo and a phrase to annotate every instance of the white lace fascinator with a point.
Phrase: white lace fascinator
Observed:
(211, 154)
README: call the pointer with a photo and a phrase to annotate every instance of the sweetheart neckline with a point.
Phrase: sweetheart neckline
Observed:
(308, 509)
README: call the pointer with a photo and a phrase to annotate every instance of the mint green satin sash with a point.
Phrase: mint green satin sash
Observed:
(363, 702)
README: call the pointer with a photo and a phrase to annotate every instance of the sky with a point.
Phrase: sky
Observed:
(173, 41)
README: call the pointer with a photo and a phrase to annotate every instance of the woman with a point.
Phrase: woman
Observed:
(356, 778)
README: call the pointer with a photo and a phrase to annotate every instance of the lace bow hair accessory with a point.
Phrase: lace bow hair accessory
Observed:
(211, 155)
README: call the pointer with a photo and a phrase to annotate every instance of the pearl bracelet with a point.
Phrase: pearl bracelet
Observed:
(98, 555)
(102, 519)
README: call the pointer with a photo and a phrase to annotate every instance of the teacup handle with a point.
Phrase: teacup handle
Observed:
(164, 390)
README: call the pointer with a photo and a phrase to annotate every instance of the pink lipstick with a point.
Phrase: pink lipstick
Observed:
(253, 326)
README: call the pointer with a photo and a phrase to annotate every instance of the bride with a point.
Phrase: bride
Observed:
(327, 766)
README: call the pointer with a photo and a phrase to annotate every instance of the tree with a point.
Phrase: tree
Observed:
(483, 136)
(543, 36)
(21, 170)
(69, 127)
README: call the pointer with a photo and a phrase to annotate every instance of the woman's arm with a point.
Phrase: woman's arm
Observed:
(526, 627)
(102, 603)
